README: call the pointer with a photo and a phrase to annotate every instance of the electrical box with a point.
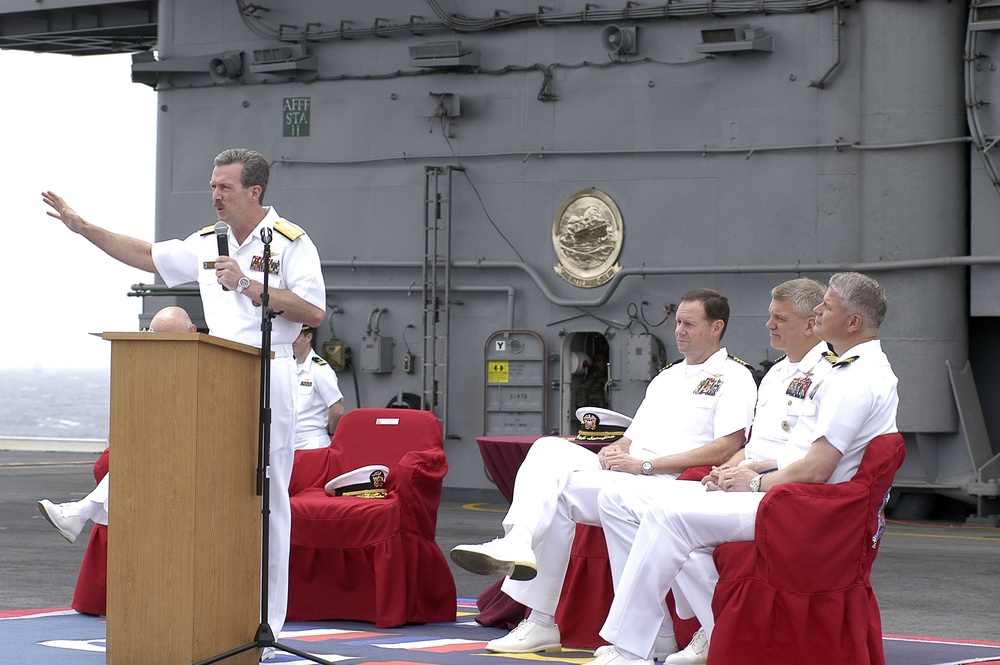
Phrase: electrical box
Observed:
(643, 357)
(333, 352)
(376, 354)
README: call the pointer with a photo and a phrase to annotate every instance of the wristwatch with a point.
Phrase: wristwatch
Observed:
(755, 482)
(243, 284)
(647, 468)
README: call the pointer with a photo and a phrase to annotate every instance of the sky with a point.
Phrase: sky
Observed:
(79, 127)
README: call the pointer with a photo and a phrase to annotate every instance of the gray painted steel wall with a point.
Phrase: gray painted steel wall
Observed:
(724, 169)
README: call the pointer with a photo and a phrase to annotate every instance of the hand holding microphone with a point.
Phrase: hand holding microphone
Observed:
(222, 237)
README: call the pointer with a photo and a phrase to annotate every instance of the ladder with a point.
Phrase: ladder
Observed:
(436, 290)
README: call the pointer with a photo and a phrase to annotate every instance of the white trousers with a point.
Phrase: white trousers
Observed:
(282, 454)
(556, 488)
(94, 506)
(685, 520)
(621, 508)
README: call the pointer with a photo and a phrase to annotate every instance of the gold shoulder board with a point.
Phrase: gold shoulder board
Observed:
(289, 230)
(319, 361)
(845, 361)
(206, 230)
(741, 361)
(669, 365)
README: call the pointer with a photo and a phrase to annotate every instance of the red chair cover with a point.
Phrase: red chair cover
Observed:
(801, 591)
(371, 560)
(91, 594)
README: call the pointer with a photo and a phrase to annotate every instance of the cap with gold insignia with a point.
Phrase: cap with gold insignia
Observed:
(368, 482)
(599, 424)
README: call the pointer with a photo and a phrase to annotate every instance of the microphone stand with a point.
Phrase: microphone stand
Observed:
(264, 636)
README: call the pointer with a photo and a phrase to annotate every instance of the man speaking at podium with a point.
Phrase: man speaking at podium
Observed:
(227, 263)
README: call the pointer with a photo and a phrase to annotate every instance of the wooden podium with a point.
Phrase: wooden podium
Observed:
(185, 523)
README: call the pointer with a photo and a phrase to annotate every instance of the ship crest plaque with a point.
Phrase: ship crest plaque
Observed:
(587, 237)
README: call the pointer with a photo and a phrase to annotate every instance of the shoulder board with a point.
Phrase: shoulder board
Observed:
(671, 364)
(773, 363)
(319, 361)
(845, 361)
(207, 230)
(289, 230)
(741, 361)
(831, 357)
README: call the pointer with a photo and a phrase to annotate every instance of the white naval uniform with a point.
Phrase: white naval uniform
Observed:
(295, 266)
(782, 399)
(98, 512)
(556, 488)
(855, 402)
(318, 390)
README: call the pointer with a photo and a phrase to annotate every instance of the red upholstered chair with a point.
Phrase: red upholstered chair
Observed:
(91, 594)
(800, 591)
(364, 559)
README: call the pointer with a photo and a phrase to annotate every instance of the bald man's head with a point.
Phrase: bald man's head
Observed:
(172, 319)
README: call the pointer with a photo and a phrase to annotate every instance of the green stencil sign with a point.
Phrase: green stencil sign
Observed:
(295, 116)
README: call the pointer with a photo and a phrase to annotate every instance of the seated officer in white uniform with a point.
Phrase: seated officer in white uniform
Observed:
(695, 413)
(781, 401)
(853, 404)
(70, 518)
(318, 402)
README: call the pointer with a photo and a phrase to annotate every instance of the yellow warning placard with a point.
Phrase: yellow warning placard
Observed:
(497, 371)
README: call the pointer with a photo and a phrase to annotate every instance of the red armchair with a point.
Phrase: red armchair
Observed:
(91, 594)
(365, 559)
(800, 592)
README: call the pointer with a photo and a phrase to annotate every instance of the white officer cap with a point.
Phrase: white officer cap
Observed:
(601, 424)
(368, 481)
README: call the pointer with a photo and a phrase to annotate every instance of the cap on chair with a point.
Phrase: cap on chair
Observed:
(367, 482)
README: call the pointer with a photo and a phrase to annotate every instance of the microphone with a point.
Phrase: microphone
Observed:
(222, 237)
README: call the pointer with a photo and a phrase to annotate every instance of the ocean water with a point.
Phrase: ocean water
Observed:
(47, 403)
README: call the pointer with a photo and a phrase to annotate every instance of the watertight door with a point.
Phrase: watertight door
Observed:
(515, 383)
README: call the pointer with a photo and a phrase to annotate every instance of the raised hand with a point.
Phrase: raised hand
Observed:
(62, 212)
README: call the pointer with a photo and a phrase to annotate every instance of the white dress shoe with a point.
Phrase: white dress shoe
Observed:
(664, 646)
(610, 655)
(528, 637)
(503, 556)
(64, 517)
(695, 653)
